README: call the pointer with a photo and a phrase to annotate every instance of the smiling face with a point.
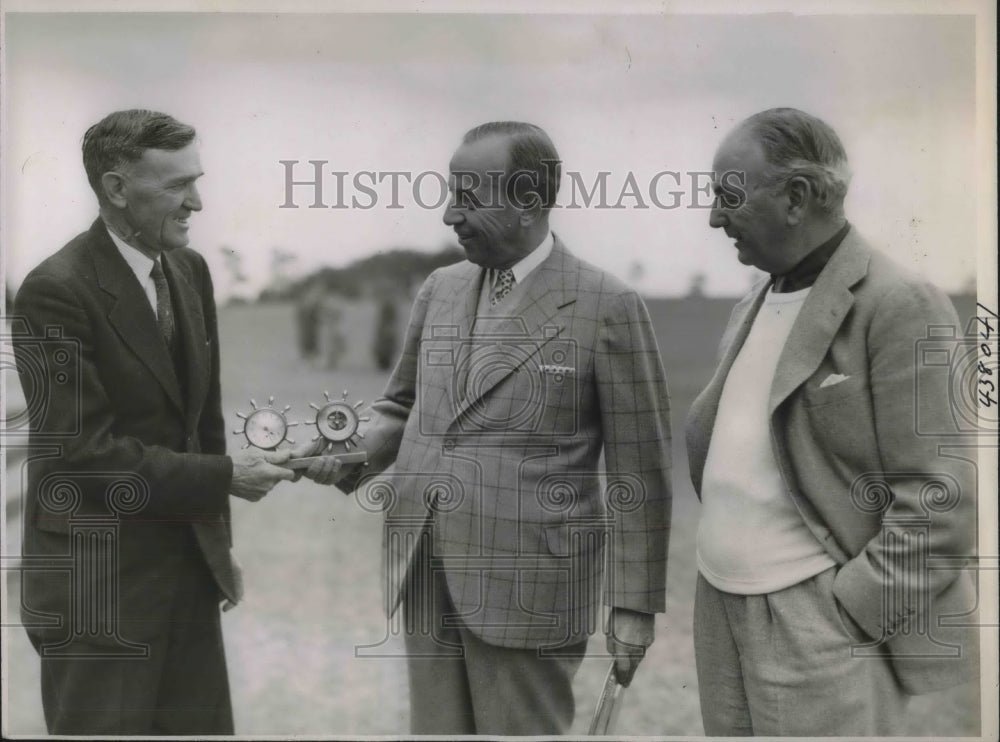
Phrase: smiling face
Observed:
(756, 219)
(160, 195)
(488, 226)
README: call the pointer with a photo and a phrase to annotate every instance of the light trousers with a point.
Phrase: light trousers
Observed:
(780, 664)
(461, 685)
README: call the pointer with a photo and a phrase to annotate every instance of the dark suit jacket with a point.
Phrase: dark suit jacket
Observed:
(512, 470)
(131, 438)
(863, 459)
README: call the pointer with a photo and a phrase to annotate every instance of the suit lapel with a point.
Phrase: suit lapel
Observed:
(191, 323)
(533, 318)
(444, 345)
(824, 311)
(131, 314)
(705, 408)
(460, 311)
(744, 314)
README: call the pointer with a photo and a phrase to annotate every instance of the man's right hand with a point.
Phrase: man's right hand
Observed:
(255, 472)
(326, 469)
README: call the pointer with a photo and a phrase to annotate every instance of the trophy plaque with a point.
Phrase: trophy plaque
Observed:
(336, 422)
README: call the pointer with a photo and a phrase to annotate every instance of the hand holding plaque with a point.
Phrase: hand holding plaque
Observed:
(336, 422)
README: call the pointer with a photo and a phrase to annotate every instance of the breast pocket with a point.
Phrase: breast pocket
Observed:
(819, 395)
(842, 424)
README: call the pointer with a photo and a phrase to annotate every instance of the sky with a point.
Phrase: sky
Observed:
(631, 95)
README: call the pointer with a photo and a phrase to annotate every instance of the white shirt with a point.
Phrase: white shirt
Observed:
(521, 269)
(751, 537)
(140, 265)
(532, 260)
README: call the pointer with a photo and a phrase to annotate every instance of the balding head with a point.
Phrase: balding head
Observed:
(797, 144)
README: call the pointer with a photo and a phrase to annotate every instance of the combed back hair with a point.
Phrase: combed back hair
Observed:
(532, 153)
(798, 145)
(121, 137)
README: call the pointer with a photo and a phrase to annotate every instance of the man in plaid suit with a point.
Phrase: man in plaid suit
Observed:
(519, 367)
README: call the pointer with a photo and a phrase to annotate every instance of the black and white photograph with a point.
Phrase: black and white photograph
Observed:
(505, 369)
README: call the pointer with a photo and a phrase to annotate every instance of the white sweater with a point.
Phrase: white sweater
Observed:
(751, 537)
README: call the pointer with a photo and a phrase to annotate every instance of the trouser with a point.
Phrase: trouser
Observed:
(181, 688)
(461, 685)
(780, 664)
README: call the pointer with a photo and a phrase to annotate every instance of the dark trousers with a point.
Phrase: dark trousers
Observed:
(461, 685)
(181, 688)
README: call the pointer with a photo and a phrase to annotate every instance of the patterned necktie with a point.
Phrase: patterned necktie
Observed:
(503, 286)
(164, 311)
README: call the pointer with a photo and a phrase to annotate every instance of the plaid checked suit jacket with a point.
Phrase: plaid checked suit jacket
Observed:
(495, 427)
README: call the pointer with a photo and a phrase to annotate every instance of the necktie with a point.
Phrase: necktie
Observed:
(164, 311)
(503, 286)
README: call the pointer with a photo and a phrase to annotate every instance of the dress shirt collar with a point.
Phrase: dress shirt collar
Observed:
(807, 270)
(529, 262)
(139, 263)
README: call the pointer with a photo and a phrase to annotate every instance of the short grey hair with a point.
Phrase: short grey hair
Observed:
(120, 138)
(799, 145)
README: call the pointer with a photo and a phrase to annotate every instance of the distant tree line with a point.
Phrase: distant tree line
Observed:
(389, 278)
(386, 271)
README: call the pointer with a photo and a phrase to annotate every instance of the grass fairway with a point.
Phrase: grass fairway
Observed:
(311, 559)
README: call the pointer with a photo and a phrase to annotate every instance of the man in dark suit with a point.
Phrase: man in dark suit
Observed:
(518, 368)
(817, 609)
(131, 502)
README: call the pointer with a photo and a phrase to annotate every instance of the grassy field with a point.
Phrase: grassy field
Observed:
(311, 559)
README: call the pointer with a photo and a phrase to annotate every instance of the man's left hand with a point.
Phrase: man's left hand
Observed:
(629, 634)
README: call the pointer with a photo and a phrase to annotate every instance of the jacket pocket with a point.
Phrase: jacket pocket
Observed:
(835, 609)
(848, 625)
(818, 396)
(839, 428)
(565, 539)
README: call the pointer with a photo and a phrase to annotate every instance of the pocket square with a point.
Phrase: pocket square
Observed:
(551, 368)
(833, 379)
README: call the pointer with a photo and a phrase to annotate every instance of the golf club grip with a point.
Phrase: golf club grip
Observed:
(357, 457)
(608, 706)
